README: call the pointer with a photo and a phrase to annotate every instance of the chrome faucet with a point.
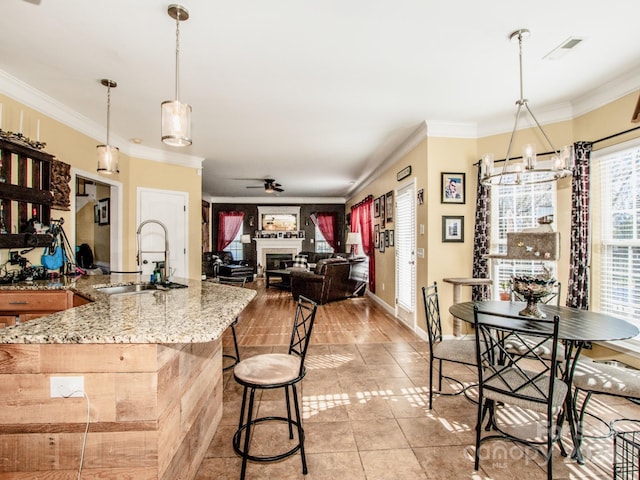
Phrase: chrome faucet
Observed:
(165, 275)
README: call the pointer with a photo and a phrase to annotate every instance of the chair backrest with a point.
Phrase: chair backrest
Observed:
(521, 373)
(432, 311)
(302, 327)
(236, 281)
(553, 297)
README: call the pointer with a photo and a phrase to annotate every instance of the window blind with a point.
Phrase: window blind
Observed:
(405, 224)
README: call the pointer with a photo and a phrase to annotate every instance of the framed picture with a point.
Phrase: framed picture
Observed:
(381, 201)
(376, 236)
(391, 235)
(453, 229)
(381, 243)
(96, 213)
(386, 238)
(103, 207)
(301, 234)
(388, 208)
(376, 207)
(453, 187)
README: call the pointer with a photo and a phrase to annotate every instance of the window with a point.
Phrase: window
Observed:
(322, 246)
(617, 258)
(236, 247)
(514, 208)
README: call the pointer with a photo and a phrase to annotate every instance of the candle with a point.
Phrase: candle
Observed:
(21, 119)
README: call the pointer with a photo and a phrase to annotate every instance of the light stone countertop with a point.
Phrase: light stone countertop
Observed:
(199, 313)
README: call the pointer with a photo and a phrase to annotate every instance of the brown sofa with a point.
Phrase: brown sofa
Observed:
(330, 280)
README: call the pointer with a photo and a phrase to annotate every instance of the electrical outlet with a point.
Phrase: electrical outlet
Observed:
(65, 387)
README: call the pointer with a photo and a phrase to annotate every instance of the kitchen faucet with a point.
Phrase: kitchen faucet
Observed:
(167, 272)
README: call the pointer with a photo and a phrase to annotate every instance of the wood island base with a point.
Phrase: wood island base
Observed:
(154, 410)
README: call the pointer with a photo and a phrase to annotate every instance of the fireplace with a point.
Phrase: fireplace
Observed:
(274, 259)
(282, 246)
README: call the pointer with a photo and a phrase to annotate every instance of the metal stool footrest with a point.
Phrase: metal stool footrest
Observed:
(255, 458)
(235, 358)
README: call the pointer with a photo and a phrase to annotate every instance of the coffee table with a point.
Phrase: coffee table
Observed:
(283, 274)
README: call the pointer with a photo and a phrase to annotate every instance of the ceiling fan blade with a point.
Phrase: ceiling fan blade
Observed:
(278, 189)
(254, 186)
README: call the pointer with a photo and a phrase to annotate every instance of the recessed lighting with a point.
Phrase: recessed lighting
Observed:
(136, 140)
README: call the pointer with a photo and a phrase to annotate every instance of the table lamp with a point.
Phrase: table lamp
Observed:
(353, 239)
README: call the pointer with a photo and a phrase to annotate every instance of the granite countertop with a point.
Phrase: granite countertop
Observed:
(199, 313)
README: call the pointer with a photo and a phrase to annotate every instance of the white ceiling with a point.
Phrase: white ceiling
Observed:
(313, 94)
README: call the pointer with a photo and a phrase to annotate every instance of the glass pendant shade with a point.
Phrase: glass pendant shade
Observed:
(175, 115)
(108, 157)
(176, 123)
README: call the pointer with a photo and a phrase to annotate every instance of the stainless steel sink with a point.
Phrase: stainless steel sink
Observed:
(129, 289)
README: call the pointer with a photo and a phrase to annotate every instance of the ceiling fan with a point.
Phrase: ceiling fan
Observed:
(269, 186)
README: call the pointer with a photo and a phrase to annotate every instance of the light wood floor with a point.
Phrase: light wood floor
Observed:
(365, 407)
(268, 320)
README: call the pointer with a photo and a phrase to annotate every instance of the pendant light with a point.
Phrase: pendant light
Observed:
(176, 116)
(527, 170)
(107, 154)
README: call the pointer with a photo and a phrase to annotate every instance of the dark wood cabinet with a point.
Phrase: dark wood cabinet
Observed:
(25, 193)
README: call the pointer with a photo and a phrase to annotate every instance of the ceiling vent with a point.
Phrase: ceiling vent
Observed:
(564, 48)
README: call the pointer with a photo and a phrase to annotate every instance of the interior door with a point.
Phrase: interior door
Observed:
(405, 243)
(170, 208)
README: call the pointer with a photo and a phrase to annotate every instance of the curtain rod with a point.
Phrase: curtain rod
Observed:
(603, 139)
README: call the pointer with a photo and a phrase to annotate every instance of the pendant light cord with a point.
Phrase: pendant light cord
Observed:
(177, 53)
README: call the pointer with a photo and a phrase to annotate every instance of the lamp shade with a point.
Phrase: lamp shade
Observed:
(108, 159)
(176, 123)
(353, 238)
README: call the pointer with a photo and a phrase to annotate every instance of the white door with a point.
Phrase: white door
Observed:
(405, 242)
(170, 208)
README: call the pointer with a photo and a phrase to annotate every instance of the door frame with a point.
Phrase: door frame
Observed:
(413, 317)
(115, 214)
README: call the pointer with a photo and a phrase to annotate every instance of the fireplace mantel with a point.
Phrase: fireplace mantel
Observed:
(276, 245)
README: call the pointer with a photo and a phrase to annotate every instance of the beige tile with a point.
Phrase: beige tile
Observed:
(368, 407)
(391, 465)
(329, 437)
(378, 434)
(334, 466)
(433, 431)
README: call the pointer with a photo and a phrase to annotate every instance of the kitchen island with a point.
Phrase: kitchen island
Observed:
(151, 367)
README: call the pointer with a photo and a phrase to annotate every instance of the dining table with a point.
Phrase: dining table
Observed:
(576, 329)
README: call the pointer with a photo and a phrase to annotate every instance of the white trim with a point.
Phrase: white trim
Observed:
(274, 200)
(116, 214)
(33, 98)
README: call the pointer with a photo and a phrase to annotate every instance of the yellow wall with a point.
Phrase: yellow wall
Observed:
(434, 155)
(79, 151)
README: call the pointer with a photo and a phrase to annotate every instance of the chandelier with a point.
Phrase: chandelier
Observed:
(108, 154)
(526, 169)
(176, 116)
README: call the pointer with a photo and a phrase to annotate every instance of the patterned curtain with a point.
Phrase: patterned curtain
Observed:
(481, 235)
(229, 224)
(361, 221)
(580, 258)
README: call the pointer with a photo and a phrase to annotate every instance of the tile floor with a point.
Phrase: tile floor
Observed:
(366, 416)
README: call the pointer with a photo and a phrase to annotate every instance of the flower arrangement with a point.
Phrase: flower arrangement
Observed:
(532, 288)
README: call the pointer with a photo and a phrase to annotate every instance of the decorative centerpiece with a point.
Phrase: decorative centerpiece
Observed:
(533, 288)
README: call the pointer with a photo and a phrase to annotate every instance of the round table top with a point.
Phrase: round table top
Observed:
(468, 281)
(574, 325)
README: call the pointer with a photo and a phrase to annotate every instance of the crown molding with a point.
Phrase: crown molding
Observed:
(275, 200)
(35, 99)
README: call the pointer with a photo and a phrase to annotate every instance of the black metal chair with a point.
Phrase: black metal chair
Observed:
(270, 371)
(518, 378)
(443, 350)
(237, 282)
(602, 379)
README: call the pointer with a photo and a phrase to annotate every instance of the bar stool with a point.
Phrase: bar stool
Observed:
(270, 371)
(237, 282)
